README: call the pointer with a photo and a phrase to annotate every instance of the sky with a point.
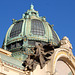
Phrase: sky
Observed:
(60, 13)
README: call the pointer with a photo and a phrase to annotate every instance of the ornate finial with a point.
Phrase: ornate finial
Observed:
(14, 20)
(32, 7)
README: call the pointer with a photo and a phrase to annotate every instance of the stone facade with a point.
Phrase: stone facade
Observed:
(62, 63)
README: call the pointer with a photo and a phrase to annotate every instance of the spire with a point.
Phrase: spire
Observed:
(32, 7)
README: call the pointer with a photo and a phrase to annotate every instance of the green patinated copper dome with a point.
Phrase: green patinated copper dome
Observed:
(25, 33)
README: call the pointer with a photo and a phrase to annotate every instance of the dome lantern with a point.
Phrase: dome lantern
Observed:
(32, 7)
(31, 12)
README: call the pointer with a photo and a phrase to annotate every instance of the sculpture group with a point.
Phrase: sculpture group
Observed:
(42, 54)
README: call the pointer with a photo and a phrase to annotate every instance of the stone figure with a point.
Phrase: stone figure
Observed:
(41, 55)
(65, 43)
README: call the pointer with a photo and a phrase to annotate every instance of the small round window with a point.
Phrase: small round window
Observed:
(37, 27)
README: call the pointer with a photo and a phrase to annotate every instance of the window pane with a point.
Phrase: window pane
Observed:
(16, 30)
(37, 27)
(13, 45)
(54, 36)
(31, 42)
(19, 43)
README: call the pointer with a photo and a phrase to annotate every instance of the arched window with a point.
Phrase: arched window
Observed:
(37, 27)
(16, 30)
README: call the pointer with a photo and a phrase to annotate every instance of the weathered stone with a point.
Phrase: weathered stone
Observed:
(65, 43)
(41, 54)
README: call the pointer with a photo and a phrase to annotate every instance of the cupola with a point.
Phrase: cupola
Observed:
(27, 32)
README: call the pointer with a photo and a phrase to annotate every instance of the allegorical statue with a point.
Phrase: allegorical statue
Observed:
(65, 43)
(41, 55)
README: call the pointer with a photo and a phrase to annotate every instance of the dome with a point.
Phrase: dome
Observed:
(27, 32)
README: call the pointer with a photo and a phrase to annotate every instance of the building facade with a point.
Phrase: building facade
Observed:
(32, 47)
